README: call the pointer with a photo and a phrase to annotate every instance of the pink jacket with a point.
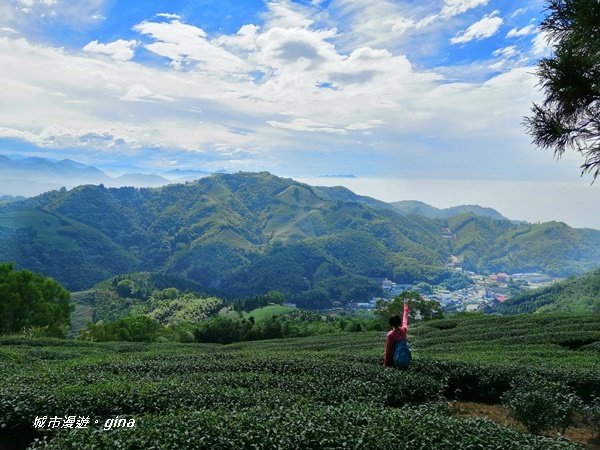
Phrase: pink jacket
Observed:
(394, 336)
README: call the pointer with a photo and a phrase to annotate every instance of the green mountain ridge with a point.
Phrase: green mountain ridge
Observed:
(414, 207)
(574, 295)
(250, 233)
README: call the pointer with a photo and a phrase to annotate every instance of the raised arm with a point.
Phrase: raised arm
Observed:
(405, 317)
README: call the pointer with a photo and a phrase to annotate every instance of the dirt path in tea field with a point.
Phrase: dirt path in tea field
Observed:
(581, 434)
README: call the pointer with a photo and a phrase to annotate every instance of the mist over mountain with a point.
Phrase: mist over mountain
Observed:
(30, 176)
(250, 233)
(185, 175)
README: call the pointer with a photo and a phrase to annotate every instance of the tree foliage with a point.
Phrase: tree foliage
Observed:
(132, 329)
(247, 234)
(418, 307)
(569, 117)
(31, 300)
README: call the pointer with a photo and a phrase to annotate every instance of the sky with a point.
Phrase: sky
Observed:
(390, 90)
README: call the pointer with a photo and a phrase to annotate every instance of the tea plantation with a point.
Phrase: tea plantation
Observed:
(326, 391)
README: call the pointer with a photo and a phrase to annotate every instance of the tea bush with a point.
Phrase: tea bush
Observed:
(326, 391)
(542, 404)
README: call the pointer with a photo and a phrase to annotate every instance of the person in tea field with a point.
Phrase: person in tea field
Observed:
(397, 352)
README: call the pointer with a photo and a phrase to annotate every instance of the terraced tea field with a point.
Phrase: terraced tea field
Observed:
(320, 392)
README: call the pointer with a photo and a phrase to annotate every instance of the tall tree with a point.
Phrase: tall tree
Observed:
(418, 307)
(569, 117)
(31, 300)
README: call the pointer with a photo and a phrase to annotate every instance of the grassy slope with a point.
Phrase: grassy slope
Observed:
(266, 312)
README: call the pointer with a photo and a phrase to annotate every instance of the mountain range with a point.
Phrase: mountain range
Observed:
(250, 233)
(413, 207)
(29, 176)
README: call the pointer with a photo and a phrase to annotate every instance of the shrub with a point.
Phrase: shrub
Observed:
(542, 405)
(592, 414)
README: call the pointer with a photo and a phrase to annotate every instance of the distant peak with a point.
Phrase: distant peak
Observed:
(415, 207)
(338, 176)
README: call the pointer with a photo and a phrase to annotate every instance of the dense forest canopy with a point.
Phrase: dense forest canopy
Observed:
(574, 295)
(32, 301)
(250, 233)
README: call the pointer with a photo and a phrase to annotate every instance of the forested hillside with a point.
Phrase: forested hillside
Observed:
(413, 207)
(483, 244)
(250, 233)
(129, 295)
(574, 295)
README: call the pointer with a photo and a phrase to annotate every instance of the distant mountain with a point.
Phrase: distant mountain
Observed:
(243, 233)
(489, 245)
(574, 295)
(138, 179)
(338, 176)
(250, 233)
(10, 198)
(49, 170)
(185, 174)
(413, 207)
(29, 176)
(340, 193)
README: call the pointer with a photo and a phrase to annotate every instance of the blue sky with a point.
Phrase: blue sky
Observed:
(405, 89)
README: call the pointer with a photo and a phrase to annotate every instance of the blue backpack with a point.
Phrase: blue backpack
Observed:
(402, 356)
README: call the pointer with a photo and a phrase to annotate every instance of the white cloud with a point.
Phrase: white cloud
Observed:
(285, 14)
(541, 47)
(244, 39)
(306, 125)
(39, 116)
(27, 13)
(482, 29)
(29, 3)
(381, 23)
(264, 90)
(364, 125)
(398, 24)
(169, 16)
(518, 12)
(184, 44)
(119, 50)
(519, 32)
(506, 52)
(115, 135)
(140, 93)
(455, 7)
(509, 57)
